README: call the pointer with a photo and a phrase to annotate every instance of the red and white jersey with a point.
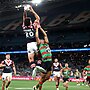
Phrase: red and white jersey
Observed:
(9, 65)
(56, 66)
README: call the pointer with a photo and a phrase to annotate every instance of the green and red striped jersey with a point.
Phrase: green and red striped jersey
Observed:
(45, 52)
(87, 69)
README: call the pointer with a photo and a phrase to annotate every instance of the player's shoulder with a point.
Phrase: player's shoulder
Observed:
(11, 61)
(69, 68)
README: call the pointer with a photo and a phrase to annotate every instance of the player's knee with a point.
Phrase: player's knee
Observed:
(9, 79)
(55, 78)
(64, 84)
(31, 59)
(3, 84)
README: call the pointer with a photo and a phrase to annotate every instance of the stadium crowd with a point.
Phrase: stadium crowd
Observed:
(76, 60)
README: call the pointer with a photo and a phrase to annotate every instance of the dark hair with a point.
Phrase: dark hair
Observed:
(7, 54)
(27, 21)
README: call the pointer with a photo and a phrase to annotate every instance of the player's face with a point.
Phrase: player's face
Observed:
(42, 41)
(56, 60)
(66, 65)
(8, 57)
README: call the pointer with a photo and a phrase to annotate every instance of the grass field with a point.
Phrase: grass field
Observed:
(27, 85)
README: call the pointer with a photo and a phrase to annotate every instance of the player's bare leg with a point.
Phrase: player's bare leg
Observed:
(3, 84)
(8, 83)
(31, 57)
(57, 81)
(44, 77)
(66, 85)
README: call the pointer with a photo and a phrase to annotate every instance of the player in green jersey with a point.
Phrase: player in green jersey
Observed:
(46, 56)
(65, 74)
(87, 70)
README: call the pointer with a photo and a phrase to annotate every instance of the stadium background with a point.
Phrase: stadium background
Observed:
(67, 24)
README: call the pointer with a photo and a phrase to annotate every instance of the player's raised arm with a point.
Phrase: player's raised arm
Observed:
(61, 71)
(45, 35)
(37, 36)
(61, 65)
(24, 16)
(35, 14)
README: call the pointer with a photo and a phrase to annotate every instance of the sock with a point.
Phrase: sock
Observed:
(37, 86)
(56, 86)
(2, 87)
(34, 72)
(7, 84)
(40, 69)
(40, 85)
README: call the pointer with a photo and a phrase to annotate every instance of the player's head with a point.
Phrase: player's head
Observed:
(27, 21)
(89, 61)
(55, 60)
(7, 56)
(66, 64)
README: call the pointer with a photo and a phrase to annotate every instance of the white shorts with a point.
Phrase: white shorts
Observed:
(32, 47)
(6, 75)
(56, 73)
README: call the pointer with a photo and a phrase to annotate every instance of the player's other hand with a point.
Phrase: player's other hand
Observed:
(14, 73)
(31, 9)
(2, 65)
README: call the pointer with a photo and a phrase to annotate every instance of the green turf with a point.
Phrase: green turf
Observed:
(27, 85)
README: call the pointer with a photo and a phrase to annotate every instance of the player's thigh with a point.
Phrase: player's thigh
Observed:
(4, 76)
(9, 77)
(48, 75)
(42, 77)
(30, 55)
(32, 47)
(58, 74)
